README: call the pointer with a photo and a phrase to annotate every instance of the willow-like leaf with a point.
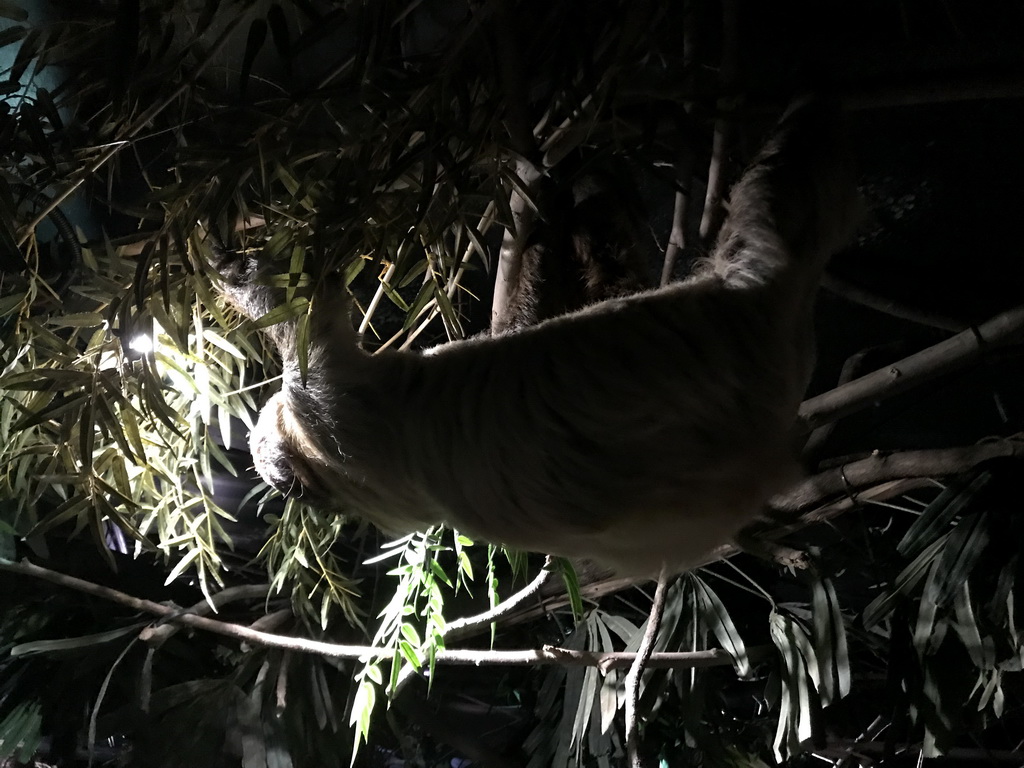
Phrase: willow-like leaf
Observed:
(981, 650)
(829, 633)
(75, 643)
(20, 731)
(572, 586)
(963, 549)
(905, 582)
(927, 611)
(718, 620)
(795, 717)
(941, 512)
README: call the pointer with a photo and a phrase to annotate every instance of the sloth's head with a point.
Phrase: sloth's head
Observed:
(276, 444)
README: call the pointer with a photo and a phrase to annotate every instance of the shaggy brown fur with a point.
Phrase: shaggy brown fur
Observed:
(639, 431)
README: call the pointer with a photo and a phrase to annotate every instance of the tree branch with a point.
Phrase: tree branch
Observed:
(934, 92)
(510, 258)
(850, 478)
(857, 295)
(155, 636)
(714, 211)
(942, 358)
(534, 656)
(465, 626)
(676, 238)
(636, 672)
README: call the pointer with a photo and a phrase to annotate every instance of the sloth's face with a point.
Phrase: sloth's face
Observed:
(276, 445)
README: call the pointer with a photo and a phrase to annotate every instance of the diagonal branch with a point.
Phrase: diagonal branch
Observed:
(945, 357)
(849, 479)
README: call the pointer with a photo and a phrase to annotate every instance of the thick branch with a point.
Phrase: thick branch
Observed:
(880, 468)
(945, 357)
(510, 258)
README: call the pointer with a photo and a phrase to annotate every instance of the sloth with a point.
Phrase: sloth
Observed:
(641, 432)
(585, 249)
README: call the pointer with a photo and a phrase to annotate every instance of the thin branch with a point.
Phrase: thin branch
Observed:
(942, 358)
(155, 636)
(528, 657)
(636, 672)
(935, 92)
(677, 237)
(385, 280)
(714, 211)
(819, 437)
(890, 307)
(465, 626)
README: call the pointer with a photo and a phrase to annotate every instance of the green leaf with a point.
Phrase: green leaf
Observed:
(77, 320)
(74, 643)
(219, 341)
(795, 724)
(941, 512)
(963, 549)
(20, 732)
(908, 579)
(11, 303)
(572, 586)
(362, 709)
(297, 307)
(409, 633)
(410, 654)
(926, 612)
(829, 632)
(981, 650)
(717, 618)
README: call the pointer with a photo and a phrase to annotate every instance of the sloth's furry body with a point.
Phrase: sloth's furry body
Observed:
(637, 432)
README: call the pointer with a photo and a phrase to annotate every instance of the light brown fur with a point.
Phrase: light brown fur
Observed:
(638, 432)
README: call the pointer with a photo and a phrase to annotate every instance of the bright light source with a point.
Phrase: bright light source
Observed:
(143, 344)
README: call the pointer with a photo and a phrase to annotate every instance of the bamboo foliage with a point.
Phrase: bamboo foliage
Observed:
(99, 434)
(354, 137)
(335, 160)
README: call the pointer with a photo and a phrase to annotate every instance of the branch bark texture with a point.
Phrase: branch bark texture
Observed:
(945, 357)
